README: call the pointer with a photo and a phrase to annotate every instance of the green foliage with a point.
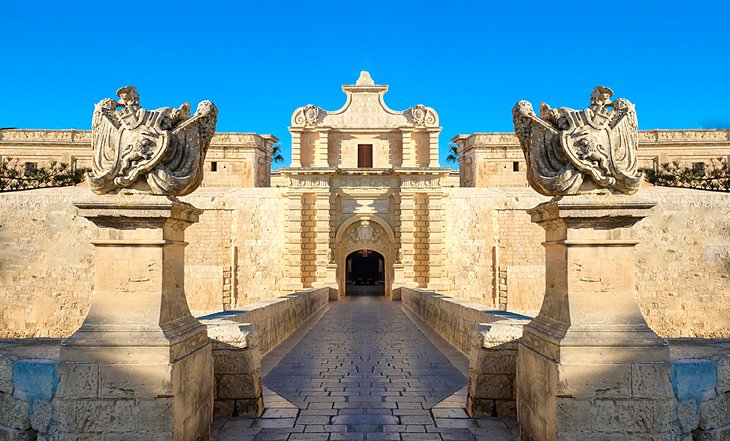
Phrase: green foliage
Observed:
(453, 153)
(713, 176)
(16, 176)
(276, 155)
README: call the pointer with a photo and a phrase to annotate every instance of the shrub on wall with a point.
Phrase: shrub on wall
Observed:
(14, 176)
(701, 175)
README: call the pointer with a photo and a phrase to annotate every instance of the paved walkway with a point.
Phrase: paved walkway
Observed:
(364, 371)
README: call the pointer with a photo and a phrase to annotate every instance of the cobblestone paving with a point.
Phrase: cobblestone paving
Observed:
(364, 372)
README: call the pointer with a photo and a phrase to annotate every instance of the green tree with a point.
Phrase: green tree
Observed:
(276, 155)
(453, 153)
(14, 176)
(714, 175)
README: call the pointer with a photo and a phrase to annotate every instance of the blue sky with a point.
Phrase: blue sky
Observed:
(471, 61)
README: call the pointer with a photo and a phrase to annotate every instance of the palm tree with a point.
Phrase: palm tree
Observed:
(453, 153)
(276, 155)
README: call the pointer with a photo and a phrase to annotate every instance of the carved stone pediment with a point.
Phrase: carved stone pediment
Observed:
(365, 108)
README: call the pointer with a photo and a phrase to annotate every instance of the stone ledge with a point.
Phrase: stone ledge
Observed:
(240, 337)
(488, 336)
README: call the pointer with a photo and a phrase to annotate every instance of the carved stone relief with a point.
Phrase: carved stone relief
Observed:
(576, 151)
(364, 235)
(159, 151)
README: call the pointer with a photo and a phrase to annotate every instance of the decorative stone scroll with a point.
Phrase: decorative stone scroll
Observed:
(577, 151)
(422, 116)
(159, 152)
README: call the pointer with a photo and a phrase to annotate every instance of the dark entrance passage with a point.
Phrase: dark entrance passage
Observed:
(365, 274)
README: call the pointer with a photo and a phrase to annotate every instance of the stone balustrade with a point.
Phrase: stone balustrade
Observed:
(241, 336)
(488, 336)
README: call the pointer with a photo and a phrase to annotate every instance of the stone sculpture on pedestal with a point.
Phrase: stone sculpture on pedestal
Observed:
(160, 152)
(572, 151)
(140, 365)
(589, 366)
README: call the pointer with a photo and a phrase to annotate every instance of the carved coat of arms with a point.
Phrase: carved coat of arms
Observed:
(572, 151)
(155, 151)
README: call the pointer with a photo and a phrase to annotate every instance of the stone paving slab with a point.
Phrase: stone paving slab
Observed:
(364, 371)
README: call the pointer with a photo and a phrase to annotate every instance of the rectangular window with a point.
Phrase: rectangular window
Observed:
(365, 156)
(515, 166)
(213, 166)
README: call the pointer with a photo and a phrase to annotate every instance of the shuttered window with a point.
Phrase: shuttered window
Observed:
(365, 156)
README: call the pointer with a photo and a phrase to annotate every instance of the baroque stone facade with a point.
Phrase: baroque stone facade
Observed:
(365, 179)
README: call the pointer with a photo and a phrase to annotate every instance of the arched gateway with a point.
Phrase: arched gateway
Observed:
(358, 244)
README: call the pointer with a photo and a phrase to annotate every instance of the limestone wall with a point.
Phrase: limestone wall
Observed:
(683, 273)
(45, 263)
(470, 237)
(496, 159)
(46, 258)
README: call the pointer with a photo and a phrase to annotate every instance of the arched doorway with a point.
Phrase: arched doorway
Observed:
(360, 233)
(365, 273)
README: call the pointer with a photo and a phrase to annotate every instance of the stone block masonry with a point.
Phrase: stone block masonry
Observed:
(488, 336)
(239, 250)
(241, 336)
(148, 359)
(682, 281)
(46, 256)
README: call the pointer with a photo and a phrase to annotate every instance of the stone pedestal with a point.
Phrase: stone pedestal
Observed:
(140, 366)
(589, 366)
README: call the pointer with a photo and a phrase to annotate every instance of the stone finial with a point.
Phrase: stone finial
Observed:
(577, 151)
(365, 79)
(159, 152)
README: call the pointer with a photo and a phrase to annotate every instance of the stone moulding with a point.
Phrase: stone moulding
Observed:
(154, 151)
(365, 107)
(577, 151)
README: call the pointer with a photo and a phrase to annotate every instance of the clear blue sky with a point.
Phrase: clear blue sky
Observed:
(471, 61)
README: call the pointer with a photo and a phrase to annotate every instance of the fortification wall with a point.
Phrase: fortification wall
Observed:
(683, 260)
(46, 258)
(492, 255)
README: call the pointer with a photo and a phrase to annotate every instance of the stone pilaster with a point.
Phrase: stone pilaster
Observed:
(322, 236)
(296, 148)
(433, 145)
(435, 242)
(409, 149)
(294, 242)
(589, 366)
(140, 366)
(321, 149)
(407, 236)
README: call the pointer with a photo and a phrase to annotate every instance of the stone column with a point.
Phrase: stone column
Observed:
(589, 366)
(140, 366)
